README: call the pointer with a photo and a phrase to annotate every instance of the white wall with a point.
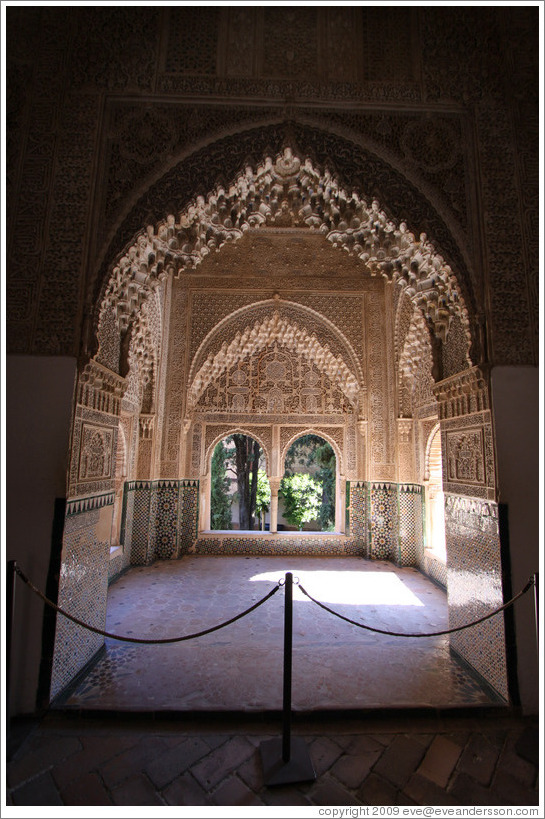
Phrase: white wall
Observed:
(515, 403)
(39, 396)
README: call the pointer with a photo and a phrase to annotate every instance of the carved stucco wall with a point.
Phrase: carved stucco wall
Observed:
(223, 311)
(458, 120)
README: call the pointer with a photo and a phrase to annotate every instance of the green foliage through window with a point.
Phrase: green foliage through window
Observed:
(313, 455)
(220, 501)
(302, 497)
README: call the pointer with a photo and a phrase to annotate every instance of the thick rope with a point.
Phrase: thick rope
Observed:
(528, 586)
(141, 640)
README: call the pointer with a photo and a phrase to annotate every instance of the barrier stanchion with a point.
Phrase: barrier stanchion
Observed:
(288, 645)
(10, 619)
(286, 760)
(536, 606)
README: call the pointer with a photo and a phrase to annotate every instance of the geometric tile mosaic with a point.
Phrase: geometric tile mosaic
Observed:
(80, 505)
(188, 515)
(281, 544)
(410, 523)
(383, 522)
(164, 514)
(357, 502)
(82, 593)
(141, 523)
(475, 585)
(436, 569)
(161, 518)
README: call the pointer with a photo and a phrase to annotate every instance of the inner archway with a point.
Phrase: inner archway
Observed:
(308, 490)
(435, 499)
(277, 336)
(239, 488)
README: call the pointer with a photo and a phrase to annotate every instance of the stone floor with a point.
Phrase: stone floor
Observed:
(76, 761)
(335, 665)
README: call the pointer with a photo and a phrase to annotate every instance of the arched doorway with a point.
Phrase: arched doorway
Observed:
(282, 336)
(435, 498)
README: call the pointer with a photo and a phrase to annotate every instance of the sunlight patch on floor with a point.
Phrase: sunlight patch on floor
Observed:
(351, 588)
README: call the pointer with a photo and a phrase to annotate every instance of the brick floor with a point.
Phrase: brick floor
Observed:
(167, 766)
(87, 789)
(370, 760)
(210, 771)
(440, 761)
(400, 760)
(480, 757)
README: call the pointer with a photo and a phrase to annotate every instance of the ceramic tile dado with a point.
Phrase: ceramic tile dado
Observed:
(335, 665)
(475, 585)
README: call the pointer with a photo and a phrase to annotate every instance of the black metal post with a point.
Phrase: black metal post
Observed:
(288, 642)
(285, 759)
(10, 619)
(536, 605)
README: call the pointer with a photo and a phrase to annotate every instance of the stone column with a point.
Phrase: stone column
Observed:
(204, 502)
(275, 486)
(340, 501)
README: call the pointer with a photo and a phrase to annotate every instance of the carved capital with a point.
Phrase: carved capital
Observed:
(362, 427)
(145, 425)
(404, 430)
(463, 394)
(275, 485)
(100, 389)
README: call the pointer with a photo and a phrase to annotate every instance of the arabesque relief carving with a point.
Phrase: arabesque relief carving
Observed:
(275, 368)
(465, 456)
(96, 454)
(289, 188)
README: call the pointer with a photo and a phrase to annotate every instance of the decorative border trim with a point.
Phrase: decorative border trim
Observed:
(90, 504)
(163, 483)
(410, 488)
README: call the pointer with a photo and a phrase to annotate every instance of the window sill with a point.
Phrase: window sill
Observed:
(260, 533)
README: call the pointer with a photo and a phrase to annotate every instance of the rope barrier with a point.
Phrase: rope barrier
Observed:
(528, 586)
(142, 640)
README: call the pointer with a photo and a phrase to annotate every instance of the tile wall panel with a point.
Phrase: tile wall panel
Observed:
(127, 519)
(410, 519)
(436, 569)
(118, 564)
(188, 515)
(358, 513)
(82, 592)
(140, 535)
(383, 521)
(475, 585)
(164, 514)
(282, 544)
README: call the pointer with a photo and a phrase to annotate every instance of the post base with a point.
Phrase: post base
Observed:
(299, 768)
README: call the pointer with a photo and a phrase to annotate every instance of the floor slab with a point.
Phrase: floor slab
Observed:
(335, 665)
